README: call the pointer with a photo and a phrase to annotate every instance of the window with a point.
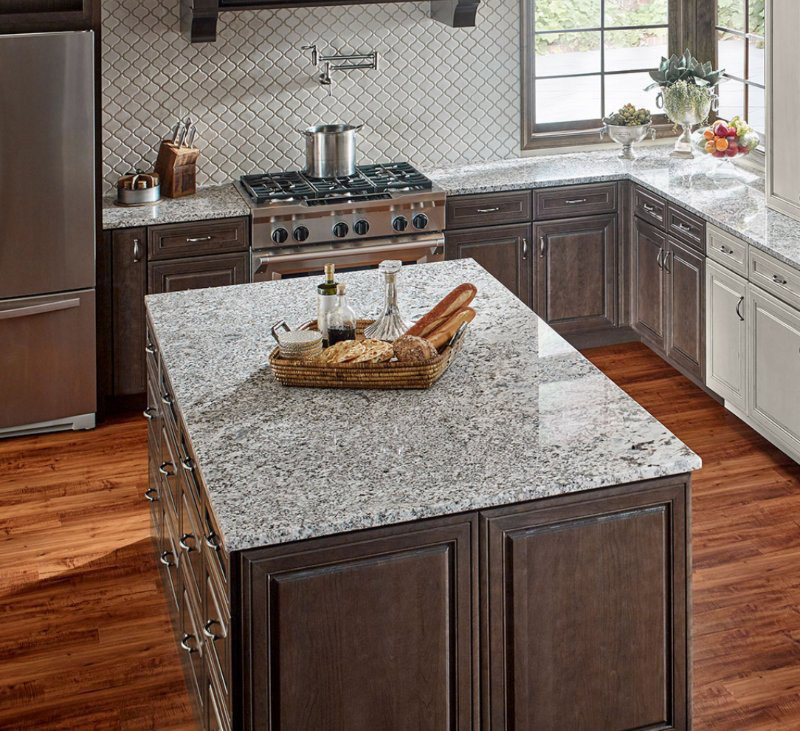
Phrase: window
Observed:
(584, 59)
(740, 51)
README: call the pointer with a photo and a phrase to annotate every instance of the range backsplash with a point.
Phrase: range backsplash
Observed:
(440, 94)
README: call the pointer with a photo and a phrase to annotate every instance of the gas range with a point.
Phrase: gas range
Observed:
(292, 209)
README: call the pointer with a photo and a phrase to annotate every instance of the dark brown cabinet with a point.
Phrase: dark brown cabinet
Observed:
(504, 251)
(30, 16)
(168, 258)
(648, 248)
(684, 270)
(129, 285)
(669, 297)
(587, 613)
(576, 273)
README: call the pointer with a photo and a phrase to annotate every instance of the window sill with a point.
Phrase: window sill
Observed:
(584, 139)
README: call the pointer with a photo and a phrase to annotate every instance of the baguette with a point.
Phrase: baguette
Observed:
(459, 298)
(444, 332)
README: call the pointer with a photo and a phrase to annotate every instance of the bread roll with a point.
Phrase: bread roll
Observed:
(411, 349)
(444, 332)
(459, 298)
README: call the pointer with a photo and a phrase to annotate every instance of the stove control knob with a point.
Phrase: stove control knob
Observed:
(340, 230)
(420, 220)
(400, 223)
(279, 235)
(300, 233)
(361, 227)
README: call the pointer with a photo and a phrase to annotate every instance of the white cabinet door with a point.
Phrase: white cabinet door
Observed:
(726, 334)
(774, 370)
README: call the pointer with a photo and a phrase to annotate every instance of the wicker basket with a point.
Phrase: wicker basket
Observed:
(389, 375)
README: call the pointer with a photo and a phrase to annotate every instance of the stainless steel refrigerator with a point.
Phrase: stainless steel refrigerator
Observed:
(47, 232)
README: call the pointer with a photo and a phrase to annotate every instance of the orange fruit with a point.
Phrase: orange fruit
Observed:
(722, 143)
(710, 147)
(708, 134)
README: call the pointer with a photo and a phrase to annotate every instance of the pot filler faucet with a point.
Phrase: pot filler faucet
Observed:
(339, 62)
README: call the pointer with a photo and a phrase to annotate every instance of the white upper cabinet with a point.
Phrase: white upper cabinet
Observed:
(783, 106)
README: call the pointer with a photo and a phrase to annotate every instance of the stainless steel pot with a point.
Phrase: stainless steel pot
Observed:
(331, 150)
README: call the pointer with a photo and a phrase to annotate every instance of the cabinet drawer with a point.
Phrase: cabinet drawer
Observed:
(216, 628)
(649, 207)
(686, 227)
(216, 556)
(727, 250)
(466, 211)
(177, 275)
(190, 544)
(776, 277)
(193, 239)
(575, 201)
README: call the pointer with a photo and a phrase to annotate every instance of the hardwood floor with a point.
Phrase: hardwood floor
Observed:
(85, 640)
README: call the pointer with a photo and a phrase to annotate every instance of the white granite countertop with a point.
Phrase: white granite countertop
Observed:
(520, 415)
(218, 201)
(717, 191)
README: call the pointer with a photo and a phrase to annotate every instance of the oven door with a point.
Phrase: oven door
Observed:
(301, 261)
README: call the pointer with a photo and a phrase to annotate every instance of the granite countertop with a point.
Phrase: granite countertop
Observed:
(218, 201)
(519, 415)
(719, 192)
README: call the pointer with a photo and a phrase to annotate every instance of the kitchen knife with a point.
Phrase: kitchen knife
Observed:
(186, 125)
(179, 131)
(174, 132)
(190, 134)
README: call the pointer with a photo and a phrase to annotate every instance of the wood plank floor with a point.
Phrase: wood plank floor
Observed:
(85, 641)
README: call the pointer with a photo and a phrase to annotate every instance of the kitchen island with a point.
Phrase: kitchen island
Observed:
(507, 549)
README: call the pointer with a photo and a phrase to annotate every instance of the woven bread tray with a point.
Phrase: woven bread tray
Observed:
(388, 375)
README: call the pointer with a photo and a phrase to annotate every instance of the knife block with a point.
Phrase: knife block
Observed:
(177, 169)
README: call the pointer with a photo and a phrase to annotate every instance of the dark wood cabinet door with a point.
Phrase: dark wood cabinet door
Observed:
(577, 272)
(685, 345)
(32, 16)
(586, 613)
(647, 282)
(361, 632)
(504, 251)
(129, 285)
(198, 272)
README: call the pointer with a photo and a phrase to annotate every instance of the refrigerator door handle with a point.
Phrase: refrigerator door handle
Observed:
(39, 309)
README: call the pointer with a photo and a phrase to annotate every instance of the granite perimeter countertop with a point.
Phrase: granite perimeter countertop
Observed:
(718, 191)
(218, 201)
(519, 415)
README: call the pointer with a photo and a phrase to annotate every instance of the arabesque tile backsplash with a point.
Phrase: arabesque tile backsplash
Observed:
(440, 94)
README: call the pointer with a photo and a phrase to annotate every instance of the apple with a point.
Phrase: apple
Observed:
(731, 152)
(721, 130)
(718, 153)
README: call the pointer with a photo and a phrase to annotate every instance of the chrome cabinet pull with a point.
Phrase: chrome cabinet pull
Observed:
(738, 309)
(149, 349)
(185, 643)
(524, 248)
(667, 258)
(185, 546)
(647, 207)
(187, 464)
(165, 560)
(211, 541)
(148, 494)
(167, 399)
(148, 413)
(683, 227)
(164, 471)
(137, 251)
(198, 239)
(575, 201)
(488, 210)
(726, 250)
(207, 630)
(542, 246)
(778, 279)
(659, 263)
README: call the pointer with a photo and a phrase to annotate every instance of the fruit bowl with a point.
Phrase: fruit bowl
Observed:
(725, 140)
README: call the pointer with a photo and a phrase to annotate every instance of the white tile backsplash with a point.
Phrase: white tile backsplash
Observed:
(440, 94)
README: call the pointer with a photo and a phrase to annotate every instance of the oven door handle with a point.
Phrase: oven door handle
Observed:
(432, 242)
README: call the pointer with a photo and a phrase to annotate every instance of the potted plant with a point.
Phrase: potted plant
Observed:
(687, 95)
(628, 125)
